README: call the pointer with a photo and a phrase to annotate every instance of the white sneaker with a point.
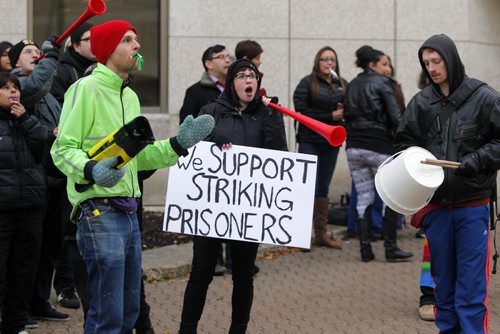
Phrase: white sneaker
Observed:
(426, 312)
(23, 332)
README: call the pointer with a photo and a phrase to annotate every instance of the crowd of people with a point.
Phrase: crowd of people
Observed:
(73, 224)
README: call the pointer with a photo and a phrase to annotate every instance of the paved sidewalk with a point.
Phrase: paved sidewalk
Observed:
(323, 291)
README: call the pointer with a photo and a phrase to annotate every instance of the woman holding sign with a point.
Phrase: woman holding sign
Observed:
(241, 118)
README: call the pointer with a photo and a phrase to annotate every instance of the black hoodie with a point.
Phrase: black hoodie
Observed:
(466, 123)
(446, 48)
(71, 68)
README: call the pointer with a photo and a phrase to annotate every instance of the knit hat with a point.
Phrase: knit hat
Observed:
(16, 50)
(76, 36)
(233, 69)
(237, 66)
(105, 37)
(4, 46)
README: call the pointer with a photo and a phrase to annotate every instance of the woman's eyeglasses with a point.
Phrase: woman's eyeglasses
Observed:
(333, 60)
(244, 77)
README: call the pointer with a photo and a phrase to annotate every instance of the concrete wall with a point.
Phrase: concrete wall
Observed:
(14, 18)
(291, 32)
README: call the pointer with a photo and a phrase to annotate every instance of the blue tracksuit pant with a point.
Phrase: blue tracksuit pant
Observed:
(459, 246)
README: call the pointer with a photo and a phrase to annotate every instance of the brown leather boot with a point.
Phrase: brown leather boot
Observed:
(320, 219)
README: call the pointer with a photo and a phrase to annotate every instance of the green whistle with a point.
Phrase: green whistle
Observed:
(138, 58)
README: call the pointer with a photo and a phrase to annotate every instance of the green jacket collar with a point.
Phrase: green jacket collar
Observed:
(107, 76)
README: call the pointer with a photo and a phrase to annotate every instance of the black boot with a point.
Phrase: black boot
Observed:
(188, 328)
(392, 251)
(364, 228)
(238, 328)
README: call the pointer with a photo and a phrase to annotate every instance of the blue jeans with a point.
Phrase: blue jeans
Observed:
(110, 244)
(327, 158)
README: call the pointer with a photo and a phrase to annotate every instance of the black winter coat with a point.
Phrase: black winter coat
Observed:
(22, 180)
(71, 68)
(473, 125)
(257, 126)
(317, 106)
(197, 96)
(371, 112)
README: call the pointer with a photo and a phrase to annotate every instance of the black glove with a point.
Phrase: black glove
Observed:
(51, 48)
(220, 140)
(469, 166)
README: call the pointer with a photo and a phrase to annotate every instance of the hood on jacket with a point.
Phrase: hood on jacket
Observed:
(233, 69)
(76, 60)
(447, 49)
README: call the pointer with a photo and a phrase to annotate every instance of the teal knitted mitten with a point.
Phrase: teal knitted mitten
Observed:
(105, 174)
(193, 130)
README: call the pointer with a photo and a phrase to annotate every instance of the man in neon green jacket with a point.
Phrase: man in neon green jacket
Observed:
(108, 233)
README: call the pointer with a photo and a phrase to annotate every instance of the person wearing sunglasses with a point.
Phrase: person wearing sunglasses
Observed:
(242, 117)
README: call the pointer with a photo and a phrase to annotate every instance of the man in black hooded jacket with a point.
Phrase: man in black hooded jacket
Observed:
(456, 118)
(77, 58)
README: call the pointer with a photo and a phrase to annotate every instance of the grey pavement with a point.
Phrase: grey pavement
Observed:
(322, 291)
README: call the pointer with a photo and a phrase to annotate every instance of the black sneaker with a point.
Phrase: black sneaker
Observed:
(30, 324)
(68, 299)
(420, 234)
(219, 270)
(50, 314)
(256, 269)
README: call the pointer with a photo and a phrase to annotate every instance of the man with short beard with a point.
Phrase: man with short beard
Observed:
(456, 118)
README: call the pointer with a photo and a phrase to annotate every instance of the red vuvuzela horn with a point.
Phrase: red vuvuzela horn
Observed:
(334, 134)
(94, 7)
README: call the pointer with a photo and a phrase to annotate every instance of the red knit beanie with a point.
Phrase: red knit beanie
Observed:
(105, 37)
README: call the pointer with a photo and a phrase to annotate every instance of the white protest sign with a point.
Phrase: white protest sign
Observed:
(243, 193)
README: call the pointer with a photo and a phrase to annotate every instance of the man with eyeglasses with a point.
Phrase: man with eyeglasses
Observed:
(215, 61)
(36, 79)
(77, 58)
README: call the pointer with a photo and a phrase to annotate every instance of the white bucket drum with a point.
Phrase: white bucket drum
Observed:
(404, 183)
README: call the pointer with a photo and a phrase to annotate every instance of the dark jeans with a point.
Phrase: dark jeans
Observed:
(63, 276)
(327, 158)
(205, 251)
(52, 238)
(78, 271)
(20, 242)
